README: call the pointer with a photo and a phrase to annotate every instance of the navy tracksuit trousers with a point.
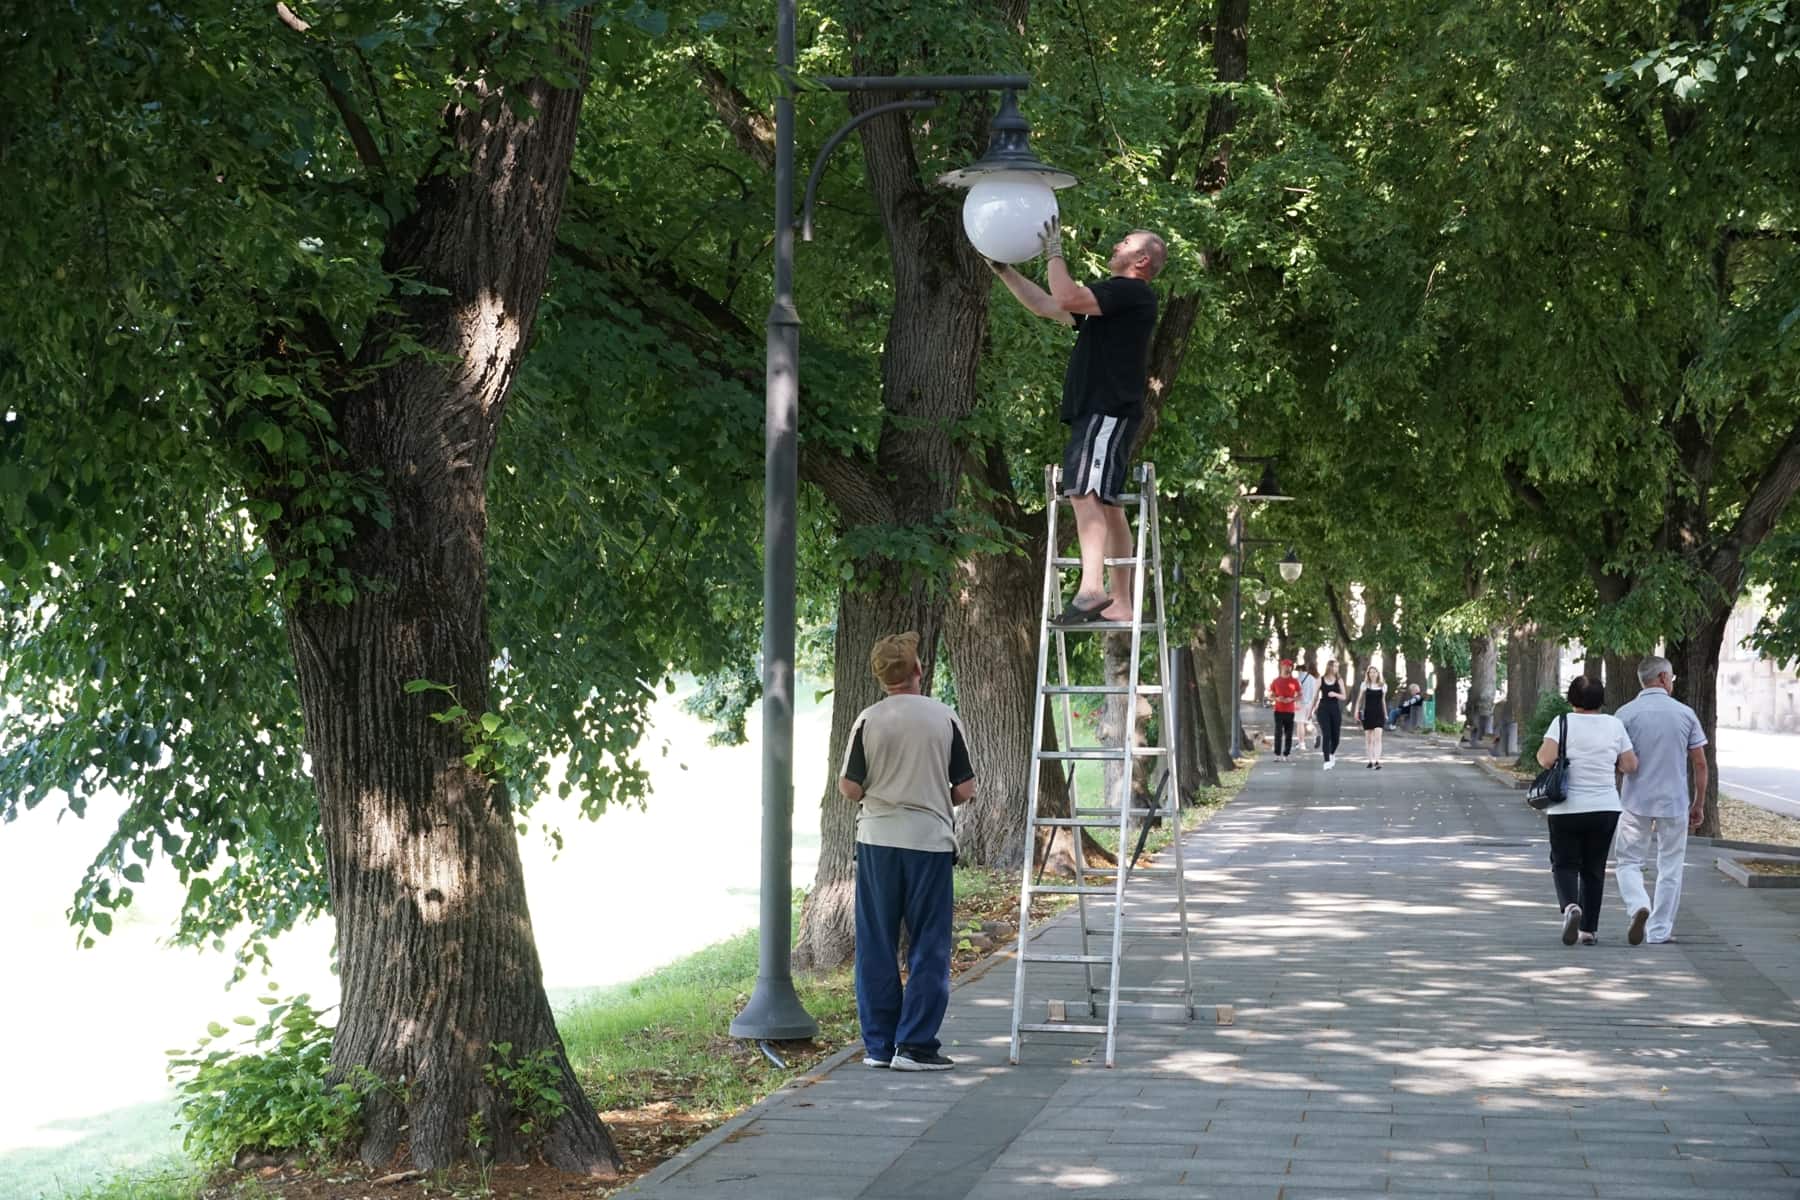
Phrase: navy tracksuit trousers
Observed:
(915, 886)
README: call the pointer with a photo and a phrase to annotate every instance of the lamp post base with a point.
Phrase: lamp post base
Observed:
(774, 1013)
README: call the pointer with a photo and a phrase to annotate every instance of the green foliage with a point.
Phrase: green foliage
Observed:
(487, 735)
(531, 1085)
(172, 1184)
(1550, 706)
(724, 698)
(270, 1095)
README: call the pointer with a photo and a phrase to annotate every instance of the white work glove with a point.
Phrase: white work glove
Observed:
(1051, 238)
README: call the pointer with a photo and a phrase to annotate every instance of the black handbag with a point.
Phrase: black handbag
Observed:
(1551, 787)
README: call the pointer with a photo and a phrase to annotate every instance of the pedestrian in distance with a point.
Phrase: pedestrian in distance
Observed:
(907, 766)
(1581, 827)
(1309, 692)
(1284, 692)
(1371, 704)
(1661, 803)
(1102, 403)
(1328, 710)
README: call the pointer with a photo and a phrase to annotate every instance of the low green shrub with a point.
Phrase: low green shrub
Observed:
(269, 1095)
(1550, 706)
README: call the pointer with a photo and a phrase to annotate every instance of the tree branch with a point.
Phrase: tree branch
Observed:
(751, 128)
(849, 483)
(1778, 486)
(360, 137)
(1527, 493)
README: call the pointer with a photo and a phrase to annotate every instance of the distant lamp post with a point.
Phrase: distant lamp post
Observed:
(1267, 490)
(1262, 593)
(774, 1011)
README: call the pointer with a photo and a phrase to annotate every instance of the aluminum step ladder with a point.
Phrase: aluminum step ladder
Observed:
(1131, 816)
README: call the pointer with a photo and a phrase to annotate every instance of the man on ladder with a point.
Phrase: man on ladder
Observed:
(1103, 401)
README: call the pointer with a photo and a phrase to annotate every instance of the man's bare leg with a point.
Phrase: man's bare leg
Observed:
(1093, 533)
(1118, 545)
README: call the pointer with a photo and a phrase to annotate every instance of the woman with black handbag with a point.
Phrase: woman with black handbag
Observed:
(1593, 746)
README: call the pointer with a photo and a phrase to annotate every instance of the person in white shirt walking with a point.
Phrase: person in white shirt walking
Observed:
(1662, 802)
(1309, 692)
(1581, 827)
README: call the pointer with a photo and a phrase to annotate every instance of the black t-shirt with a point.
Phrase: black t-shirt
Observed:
(1111, 358)
(1331, 691)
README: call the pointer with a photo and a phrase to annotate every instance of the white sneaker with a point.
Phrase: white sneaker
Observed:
(1328, 764)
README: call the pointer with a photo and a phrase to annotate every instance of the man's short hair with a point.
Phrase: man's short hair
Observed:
(1652, 667)
(895, 658)
(1152, 244)
(1586, 693)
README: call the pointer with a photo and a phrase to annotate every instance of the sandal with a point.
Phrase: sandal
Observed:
(1073, 614)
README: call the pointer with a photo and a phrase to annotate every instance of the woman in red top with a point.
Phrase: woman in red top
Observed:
(1286, 692)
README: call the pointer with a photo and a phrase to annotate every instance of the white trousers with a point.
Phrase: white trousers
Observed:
(1635, 840)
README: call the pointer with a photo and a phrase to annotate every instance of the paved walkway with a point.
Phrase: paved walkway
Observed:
(1407, 1021)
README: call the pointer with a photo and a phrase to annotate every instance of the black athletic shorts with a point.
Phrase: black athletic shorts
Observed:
(1098, 457)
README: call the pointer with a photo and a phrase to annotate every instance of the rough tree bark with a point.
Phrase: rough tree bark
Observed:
(1446, 692)
(436, 954)
(1483, 670)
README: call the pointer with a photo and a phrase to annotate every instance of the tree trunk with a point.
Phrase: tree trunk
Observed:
(1547, 668)
(1446, 692)
(1593, 665)
(991, 636)
(1390, 644)
(1508, 709)
(435, 948)
(1696, 661)
(1621, 679)
(1259, 684)
(1484, 663)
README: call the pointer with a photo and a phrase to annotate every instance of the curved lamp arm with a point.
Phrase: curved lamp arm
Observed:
(831, 143)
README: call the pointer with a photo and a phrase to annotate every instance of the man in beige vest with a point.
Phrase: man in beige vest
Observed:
(907, 764)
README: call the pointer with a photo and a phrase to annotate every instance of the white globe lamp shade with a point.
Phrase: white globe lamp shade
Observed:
(1005, 212)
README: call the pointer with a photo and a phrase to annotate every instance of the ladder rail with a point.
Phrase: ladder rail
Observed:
(1171, 710)
(1048, 593)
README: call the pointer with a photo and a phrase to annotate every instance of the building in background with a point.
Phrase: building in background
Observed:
(1755, 692)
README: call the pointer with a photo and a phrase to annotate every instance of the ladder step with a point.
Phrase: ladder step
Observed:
(1160, 990)
(1147, 931)
(1144, 689)
(1059, 1027)
(1102, 753)
(1070, 889)
(1124, 501)
(1098, 960)
(1104, 627)
(1140, 869)
(1111, 562)
(1112, 814)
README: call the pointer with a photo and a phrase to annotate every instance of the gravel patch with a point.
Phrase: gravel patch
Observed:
(1741, 822)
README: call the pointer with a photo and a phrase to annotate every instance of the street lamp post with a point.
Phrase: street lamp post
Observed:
(774, 1011)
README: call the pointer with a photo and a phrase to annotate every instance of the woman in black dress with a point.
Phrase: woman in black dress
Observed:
(1327, 710)
(1372, 705)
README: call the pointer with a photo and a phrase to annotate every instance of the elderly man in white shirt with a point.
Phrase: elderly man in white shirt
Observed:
(1661, 803)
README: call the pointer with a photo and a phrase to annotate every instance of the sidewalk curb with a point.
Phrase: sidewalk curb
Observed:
(1493, 770)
